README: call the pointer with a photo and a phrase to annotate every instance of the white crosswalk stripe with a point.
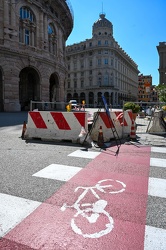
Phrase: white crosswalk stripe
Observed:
(15, 209)
(84, 154)
(155, 238)
(157, 162)
(157, 187)
(58, 172)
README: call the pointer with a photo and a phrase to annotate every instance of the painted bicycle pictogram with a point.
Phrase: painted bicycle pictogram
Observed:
(93, 211)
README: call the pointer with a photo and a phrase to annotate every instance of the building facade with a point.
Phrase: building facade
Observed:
(161, 48)
(32, 51)
(99, 66)
(144, 88)
(146, 91)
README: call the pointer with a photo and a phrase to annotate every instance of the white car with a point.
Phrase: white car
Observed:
(73, 103)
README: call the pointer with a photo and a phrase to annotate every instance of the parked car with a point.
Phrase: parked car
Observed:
(73, 103)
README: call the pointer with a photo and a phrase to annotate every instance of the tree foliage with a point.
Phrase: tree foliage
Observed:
(161, 91)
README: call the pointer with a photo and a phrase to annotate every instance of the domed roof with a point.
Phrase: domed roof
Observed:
(102, 23)
(102, 26)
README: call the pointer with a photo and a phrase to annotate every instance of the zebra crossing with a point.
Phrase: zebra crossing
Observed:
(14, 210)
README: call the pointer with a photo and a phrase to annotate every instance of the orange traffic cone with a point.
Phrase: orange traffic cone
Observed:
(23, 129)
(133, 130)
(100, 141)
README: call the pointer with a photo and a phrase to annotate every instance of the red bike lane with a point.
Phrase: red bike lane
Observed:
(101, 207)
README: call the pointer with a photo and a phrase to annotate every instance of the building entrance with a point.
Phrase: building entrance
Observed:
(29, 87)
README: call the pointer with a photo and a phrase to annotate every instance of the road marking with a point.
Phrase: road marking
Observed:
(58, 172)
(84, 154)
(154, 238)
(157, 187)
(92, 211)
(157, 162)
(158, 149)
(13, 211)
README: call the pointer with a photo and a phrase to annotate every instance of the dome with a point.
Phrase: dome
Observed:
(102, 26)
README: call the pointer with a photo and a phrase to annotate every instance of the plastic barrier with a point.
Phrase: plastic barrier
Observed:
(121, 120)
(59, 126)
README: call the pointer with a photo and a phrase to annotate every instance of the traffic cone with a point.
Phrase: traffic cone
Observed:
(100, 141)
(133, 131)
(23, 129)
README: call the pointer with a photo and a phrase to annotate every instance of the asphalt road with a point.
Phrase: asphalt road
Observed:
(20, 160)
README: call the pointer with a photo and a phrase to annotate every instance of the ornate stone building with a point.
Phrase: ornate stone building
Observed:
(161, 48)
(99, 66)
(32, 51)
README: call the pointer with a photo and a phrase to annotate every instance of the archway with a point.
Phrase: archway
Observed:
(106, 95)
(1, 91)
(54, 85)
(99, 99)
(69, 97)
(82, 97)
(75, 97)
(29, 87)
(91, 99)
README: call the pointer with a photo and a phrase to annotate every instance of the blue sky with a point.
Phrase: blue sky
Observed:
(138, 27)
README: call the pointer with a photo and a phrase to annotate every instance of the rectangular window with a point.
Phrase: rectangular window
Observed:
(106, 42)
(99, 61)
(75, 84)
(75, 65)
(106, 61)
(99, 42)
(82, 84)
(27, 37)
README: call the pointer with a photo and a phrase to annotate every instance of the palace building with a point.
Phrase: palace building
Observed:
(99, 66)
(33, 36)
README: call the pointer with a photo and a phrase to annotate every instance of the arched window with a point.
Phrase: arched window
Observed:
(52, 39)
(27, 27)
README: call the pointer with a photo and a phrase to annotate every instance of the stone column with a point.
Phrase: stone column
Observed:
(45, 27)
(13, 14)
(41, 29)
(6, 13)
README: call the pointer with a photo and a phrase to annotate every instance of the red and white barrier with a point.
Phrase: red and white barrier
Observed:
(55, 125)
(120, 120)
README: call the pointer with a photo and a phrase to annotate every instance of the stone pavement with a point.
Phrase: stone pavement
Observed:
(151, 139)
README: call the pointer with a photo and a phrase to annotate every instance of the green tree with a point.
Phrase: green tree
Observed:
(161, 90)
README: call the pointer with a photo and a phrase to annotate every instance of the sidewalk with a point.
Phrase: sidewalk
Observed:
(152, 139)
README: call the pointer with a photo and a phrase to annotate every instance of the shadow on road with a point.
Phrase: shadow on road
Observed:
(12, 118)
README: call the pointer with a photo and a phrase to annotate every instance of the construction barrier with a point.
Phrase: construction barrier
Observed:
(121, 120)
(59, 126)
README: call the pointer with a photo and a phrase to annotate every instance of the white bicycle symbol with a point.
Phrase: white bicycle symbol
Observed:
(92, 211)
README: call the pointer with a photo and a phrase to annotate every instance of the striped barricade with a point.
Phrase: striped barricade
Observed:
(47, 125)
(122, 121)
